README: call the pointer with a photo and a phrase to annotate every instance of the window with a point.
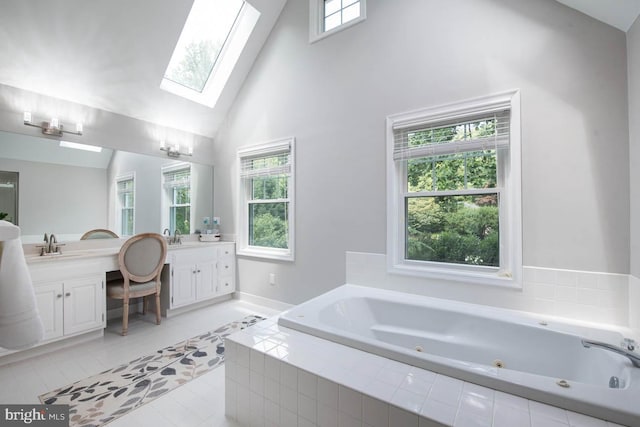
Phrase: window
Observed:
(454, 191)
(213, 38)
(330, 16)
(176, 180)
(267, 200)
(125, 186)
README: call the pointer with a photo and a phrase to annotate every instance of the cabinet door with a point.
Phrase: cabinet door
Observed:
(183, 284)
(49, 301)
(84, 301)
(206, 280)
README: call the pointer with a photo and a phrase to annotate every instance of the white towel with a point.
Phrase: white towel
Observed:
(20, 323)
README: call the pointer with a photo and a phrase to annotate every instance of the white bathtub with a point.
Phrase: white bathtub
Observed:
(468, 342)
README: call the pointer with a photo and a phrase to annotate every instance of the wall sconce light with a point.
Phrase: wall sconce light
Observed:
(174, 150)
(52, 127)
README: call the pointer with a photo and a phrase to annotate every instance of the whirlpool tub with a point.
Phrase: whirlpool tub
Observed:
(515, 352)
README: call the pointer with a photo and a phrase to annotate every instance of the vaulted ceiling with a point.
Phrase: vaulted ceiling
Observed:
(112, 54)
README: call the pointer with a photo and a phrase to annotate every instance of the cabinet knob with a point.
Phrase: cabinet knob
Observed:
(198, 271)
(59, 296)
(68, 294)
(226, 266)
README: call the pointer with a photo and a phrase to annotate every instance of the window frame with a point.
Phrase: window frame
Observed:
(168, 195)
(119, 206)
(245, 199)
(316, 20)
(509, 274)
(227, 59)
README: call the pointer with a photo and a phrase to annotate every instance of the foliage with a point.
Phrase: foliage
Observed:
(195, 67)
(3, 215)
(268, 225)
(461, 229)
(180, 210)
(268, 222)
(181, 219)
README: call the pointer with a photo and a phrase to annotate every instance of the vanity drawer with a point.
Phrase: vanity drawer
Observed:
(226, 267)
(225, 251)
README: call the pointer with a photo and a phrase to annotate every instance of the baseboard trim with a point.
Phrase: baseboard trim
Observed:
(190, 307)
(266, 302)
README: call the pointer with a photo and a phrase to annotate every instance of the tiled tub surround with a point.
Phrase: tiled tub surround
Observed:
(280, 377)
(514, 352)
(580, 295)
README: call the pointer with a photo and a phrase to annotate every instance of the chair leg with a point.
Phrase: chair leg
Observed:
(125, 316)
(158, 315)
(145, 304)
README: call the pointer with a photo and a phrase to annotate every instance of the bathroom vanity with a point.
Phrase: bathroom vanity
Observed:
(199, 275)
(71, 296)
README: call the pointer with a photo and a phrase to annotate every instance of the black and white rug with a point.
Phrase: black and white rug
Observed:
(102, 398)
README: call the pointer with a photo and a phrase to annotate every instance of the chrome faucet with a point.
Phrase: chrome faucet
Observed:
(167, 235)
(635, 359)
(177, 237)
(50, 246)
(52, 243)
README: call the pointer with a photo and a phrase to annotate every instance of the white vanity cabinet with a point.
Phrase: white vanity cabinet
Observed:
(199, 274)
(226, 270)
(192, 275)
(71, 306)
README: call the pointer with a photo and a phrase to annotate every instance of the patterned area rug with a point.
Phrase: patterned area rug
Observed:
(102, 398)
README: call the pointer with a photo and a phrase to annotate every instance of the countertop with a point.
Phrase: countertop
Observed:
(87, 249)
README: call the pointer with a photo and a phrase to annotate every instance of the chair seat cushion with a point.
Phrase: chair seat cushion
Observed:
(115, 289)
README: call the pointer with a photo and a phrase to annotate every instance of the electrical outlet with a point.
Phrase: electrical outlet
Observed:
(272, 279)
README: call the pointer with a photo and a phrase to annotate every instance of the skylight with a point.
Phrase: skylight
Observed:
(211, 41)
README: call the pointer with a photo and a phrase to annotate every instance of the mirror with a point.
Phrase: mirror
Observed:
(68, 191)
(9, 196)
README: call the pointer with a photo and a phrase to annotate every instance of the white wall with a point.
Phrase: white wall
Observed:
(334, 95)
(633, 55)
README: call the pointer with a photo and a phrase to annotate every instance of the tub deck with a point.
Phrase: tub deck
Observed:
(494, 348)
(276, 376)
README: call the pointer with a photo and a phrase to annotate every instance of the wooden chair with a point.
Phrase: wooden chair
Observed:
(141, 259)
(99, 233)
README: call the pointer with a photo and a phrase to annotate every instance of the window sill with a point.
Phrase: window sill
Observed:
(266, 253)
(457, 275)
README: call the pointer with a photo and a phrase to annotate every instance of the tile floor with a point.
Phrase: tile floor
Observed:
(198, 403)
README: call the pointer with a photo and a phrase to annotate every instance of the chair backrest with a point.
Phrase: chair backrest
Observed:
(99, 233)
(142, 257)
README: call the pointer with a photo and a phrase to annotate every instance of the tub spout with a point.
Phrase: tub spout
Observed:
(635, 359)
